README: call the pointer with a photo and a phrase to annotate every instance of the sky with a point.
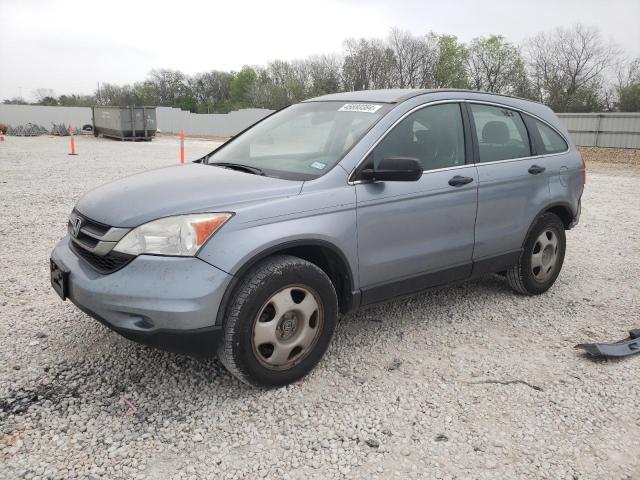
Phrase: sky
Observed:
(70, 46)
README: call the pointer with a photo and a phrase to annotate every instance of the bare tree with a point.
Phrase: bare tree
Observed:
(407, 50)
(210, 89)
(45, 96)
(567, 67)
(166, 86)
(324, 74)
(430, 59)
(367, 64)
(627, 72)
(117, 95)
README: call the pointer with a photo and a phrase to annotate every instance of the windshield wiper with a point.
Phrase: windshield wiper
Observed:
(238, 166)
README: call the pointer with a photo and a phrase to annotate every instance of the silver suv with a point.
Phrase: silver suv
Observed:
(341, 201)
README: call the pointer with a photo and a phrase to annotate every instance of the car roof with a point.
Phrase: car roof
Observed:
(396, 95)
(392, 95)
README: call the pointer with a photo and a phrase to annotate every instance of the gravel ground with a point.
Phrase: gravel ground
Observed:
(625, 157)
(472, 381)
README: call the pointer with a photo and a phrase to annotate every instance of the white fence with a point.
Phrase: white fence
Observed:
(169, 120)
(14, 115)
(172, 120)
(620, 130)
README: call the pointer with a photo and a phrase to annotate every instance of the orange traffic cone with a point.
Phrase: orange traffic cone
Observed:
(73, 142)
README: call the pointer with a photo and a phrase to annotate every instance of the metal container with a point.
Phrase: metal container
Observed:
(125, 123)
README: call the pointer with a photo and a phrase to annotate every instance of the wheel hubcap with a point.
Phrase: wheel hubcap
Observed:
(287, 327)
(544, 255)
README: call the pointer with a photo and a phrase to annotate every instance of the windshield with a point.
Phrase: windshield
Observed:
(301, 142)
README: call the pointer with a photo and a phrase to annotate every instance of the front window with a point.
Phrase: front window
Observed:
(432, 135)
(301, 142)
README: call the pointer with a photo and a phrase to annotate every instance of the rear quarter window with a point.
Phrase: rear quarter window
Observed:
(552, 142)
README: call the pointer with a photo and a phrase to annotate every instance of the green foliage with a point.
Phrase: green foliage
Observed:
(76, 100)
(495, 65)
(48, 101)
(630, 98)
(188, 102)
(450, 71)
(240, 86)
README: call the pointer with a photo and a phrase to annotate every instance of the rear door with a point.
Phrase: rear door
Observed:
(408, 231)
(513, 184)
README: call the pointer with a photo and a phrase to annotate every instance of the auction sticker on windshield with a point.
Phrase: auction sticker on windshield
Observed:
(360, 107)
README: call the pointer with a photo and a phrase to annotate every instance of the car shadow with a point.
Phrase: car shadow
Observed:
(112, 370)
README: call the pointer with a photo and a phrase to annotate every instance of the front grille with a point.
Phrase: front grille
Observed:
(108, 263)
(91, 226)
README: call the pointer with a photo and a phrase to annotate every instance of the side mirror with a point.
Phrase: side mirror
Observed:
(394, 169)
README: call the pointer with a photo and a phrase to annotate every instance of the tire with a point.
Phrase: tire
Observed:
(541, 259)
(279, 322)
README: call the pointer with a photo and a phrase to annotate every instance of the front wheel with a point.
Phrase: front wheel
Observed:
(542, 257)
(280, 322)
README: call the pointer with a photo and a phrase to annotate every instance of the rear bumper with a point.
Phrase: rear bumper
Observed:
(166, 302)
(576, 218)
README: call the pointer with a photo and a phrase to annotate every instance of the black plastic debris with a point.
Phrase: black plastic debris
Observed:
(621, 348)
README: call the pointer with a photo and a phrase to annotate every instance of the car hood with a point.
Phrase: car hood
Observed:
(190, 188)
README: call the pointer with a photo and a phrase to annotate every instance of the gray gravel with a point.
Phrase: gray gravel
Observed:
(472, 381)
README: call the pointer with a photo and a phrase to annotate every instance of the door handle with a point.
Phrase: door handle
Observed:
(459, 180)
(536, 169)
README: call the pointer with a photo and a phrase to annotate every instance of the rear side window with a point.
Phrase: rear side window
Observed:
(551, 141)
(432, 135)
(501, 133)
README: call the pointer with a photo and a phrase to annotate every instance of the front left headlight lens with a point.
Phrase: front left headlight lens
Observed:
(182, 235)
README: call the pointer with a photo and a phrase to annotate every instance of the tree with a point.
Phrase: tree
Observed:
(210, 89)
(367, 64)
(74, 100)
(567, 67)
(450, 69)
(166, 86)
(116, 95)
(629, 98)
(45, 96)
(628, 86)
(280, 84)
(495, 65)
(15, 101)
(324, 74)
(240, 86)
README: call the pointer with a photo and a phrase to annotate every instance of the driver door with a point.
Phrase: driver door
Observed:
(414, 235)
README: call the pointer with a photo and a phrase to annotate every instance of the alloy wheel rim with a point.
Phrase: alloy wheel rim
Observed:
(287, 327)
(544, 255)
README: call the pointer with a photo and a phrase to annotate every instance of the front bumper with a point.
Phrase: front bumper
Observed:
(167, 302)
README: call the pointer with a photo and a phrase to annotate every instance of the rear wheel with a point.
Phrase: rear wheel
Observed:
(280, 322)
(542, 257)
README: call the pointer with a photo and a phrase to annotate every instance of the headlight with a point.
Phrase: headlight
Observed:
(181, 235)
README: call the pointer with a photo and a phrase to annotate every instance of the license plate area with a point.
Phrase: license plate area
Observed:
(59, 279)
